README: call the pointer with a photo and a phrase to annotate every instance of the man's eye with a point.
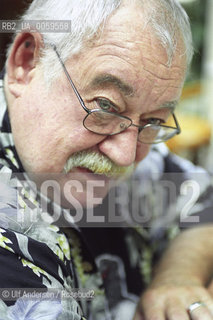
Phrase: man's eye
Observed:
(105, 105)
(154, 121)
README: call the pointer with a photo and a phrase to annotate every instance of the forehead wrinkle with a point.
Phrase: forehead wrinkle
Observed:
(102, 80)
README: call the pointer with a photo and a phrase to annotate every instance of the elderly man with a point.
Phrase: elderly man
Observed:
(84, 108)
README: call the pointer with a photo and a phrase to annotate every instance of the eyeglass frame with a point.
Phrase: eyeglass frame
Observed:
(89, 111)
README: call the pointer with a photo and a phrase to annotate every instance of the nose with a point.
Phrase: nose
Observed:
(121, 148)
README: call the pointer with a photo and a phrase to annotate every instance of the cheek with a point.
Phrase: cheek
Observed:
(46, 139)
(38, 142)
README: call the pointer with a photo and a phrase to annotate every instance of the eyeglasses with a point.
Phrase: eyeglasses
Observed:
(108, 123)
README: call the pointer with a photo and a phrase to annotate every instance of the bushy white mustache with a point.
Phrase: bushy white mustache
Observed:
(97, 163)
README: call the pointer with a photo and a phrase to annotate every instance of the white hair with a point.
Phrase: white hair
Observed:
(167, 18)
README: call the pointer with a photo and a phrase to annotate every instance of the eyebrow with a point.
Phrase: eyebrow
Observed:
(108, 79)
(169, 105)
(102, 80)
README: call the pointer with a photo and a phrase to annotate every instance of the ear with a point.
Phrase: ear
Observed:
(22, 61)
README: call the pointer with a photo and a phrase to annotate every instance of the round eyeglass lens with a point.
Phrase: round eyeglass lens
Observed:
(104, 122)
(156, 134)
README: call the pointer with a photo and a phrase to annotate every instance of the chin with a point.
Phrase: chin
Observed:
(74, 189)
(87, 191)
(85, 199)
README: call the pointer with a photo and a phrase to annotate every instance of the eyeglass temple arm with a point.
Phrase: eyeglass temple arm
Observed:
(177, 124)
(70, 80)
